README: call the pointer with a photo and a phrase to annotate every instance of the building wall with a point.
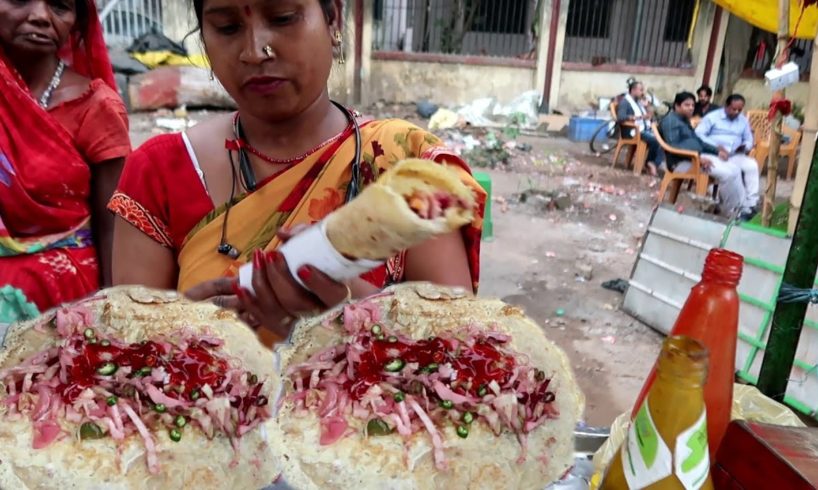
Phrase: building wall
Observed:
(448, 84)
(581, 85)
(581, 90)
(758, 95)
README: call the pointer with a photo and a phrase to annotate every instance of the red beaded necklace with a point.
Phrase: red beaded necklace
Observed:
(241, 143)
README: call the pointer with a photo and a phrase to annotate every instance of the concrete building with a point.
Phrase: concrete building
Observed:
(572, 51)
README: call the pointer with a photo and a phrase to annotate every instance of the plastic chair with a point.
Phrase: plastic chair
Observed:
(672, 181)
(762, 129)
(637, 149)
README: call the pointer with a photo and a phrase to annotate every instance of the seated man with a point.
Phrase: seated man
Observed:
(630, 109)
(703, 105)
(729, 130)
(678, 133)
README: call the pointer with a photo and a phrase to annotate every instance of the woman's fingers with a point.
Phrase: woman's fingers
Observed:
(292, 297)
(285, 234)
(265, 294)
(329, 291)
(253, 315)
(222, 286)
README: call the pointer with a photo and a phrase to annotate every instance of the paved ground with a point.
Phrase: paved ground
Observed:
(546, 259)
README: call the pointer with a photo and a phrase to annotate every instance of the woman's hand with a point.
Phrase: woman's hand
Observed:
(221, 292)
(279, 299)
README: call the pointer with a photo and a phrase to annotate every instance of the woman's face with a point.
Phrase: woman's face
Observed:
(36, 27)
(272, 56)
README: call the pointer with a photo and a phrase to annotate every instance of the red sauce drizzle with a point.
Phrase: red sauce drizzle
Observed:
(476, 366)
(189, 369)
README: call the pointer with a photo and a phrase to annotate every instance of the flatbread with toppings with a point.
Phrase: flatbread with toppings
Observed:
(409, 204)
(138, 389)
(424, 387)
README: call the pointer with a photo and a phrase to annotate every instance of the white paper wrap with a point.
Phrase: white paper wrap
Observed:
(312, 247)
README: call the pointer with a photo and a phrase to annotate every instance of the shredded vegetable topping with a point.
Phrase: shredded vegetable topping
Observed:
(109, 388)
(394, 384)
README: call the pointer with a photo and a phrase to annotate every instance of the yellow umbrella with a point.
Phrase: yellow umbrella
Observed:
(764, 14)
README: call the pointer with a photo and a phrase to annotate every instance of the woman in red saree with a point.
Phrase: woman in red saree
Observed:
(274, 58)
(63, 139)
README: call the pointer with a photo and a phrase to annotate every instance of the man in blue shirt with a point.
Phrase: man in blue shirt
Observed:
(729, 131)
(678, 133)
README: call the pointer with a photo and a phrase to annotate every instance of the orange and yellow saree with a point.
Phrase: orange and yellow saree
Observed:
(308, 192)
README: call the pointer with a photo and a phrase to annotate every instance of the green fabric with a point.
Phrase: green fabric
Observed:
(15, 307)
(484, 180)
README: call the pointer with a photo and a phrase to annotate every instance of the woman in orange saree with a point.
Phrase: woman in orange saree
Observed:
(179, 200)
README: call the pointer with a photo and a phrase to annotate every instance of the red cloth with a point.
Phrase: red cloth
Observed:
(45, 178)
(784, 106)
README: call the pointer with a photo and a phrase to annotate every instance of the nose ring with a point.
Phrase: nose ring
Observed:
(268, 51)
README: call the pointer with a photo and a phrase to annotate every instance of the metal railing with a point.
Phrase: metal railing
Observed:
(633, 32)
(506, 28)
(125, 20)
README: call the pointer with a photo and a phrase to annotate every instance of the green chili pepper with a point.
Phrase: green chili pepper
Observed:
(462, 431)
(89, 333)
(376, 329)
(92, 341)
(105, 342)
(399, 397)
(380, 337)
(90, 430)
(144, 371)
(468, 418)
(482, 390)
(430, 368)
(377, 427)
(160, 408)
(540, 376)
(180, 421)
(394, 365)
(111, 401)
(392, 339)
(253, 379)
(175, 435)
(107, 369)
(447, 404)
(194, 395)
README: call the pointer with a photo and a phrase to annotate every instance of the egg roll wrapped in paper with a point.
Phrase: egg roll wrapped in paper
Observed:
(412, 202)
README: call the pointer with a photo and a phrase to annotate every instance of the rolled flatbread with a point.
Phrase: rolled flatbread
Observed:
(136, 389)
(409, 204)
(424, 387)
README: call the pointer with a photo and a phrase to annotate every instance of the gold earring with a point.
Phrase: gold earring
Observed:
(268, 51)
(339, 42)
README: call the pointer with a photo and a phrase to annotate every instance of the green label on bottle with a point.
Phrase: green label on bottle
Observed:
(645, 456)
(692, 455)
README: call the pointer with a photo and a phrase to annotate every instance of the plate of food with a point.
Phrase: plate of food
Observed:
(418, 387)
(424, 387)
(135, 388)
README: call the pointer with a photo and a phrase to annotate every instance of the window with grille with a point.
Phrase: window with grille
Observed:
(589, 18)
(501, 16)
(678, 19)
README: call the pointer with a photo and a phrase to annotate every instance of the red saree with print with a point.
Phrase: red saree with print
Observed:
(46, 254)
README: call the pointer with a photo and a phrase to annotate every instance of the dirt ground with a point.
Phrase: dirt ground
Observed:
(580, 225)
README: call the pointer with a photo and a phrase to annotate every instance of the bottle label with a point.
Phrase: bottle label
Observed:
(646, 458)
(692, 455)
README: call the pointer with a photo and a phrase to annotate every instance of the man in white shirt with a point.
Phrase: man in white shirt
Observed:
(631, 110)
(729, 131)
